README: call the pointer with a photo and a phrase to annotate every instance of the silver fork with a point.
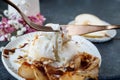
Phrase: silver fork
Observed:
(30, 23)
(69, 29)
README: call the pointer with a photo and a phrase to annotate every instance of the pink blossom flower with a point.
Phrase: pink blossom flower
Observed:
(4, 20)
(22, 21)
(29, 29)
(9, 29)
(38, 19)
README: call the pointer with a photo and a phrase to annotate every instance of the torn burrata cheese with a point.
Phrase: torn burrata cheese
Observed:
(53, 45)
(42, 47)
(46, 47)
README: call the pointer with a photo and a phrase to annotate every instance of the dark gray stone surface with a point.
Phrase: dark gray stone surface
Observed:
(63, 11)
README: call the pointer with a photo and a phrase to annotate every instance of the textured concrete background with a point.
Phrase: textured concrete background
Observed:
(63, 11)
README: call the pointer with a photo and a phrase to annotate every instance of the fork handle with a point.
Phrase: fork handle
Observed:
(9, 2)
(104, 27)
(113, 27)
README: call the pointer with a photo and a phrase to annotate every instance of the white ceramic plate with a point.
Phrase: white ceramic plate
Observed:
(110, 33)
(85, 46)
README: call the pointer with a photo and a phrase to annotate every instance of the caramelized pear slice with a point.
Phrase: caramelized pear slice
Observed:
(26, 71)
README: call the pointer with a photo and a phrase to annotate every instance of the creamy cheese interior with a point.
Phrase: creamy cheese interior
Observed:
(50, 45)
(42, 47)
